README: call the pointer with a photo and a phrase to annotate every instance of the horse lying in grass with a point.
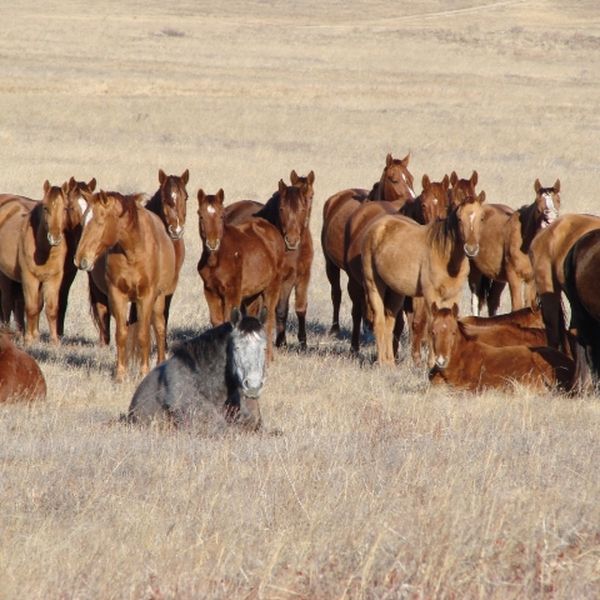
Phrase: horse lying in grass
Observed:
(464, 362)
(220, 371)
(20, 375)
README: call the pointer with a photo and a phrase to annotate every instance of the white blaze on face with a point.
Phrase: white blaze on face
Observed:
(210, 209)
(174, 196)
(410, 190)
(86, 211)
(550, 211)
(472, 220)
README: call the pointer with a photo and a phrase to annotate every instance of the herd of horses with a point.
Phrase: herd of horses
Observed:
(406, 256)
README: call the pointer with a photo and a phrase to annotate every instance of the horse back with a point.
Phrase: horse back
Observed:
(20, 375)
(241, 211)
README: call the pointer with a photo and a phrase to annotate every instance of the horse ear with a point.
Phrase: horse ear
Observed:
(453, 178)
(537, 186)
(405, 160)
(92, 184)
(161, 176)
(65, 188)
(556, 186)
(311, 177)
(481, 197)
(455, 310)
(446, 182)
(72, 183)
(388, 160)
(474, 178)
(264, 313)
(425, 182)
(185, 176)
(46, 186)
(294, 179)
(201, 195)
(87, 196)
(236, 316)
(220, 196)
(282, 186)
(104, 198)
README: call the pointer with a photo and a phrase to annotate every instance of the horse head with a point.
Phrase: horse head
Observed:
(292, 216)
(444, 333)
(100, 227)
(396, 181)
(76, 203)
(434, 199)
(469, 216)
(306, 187)
(211, 216)
(547, 202)
(462, 188)
(54, 205)
(246, 359)
(173, 200)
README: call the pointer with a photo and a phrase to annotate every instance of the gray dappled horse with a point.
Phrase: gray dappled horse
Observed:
(220, 371)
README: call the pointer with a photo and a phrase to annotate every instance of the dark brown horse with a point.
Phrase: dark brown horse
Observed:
(239, 263)
(169, 203)
(582, 274)
(466, 363)
(20, 375)
(395, 185)
(139, 267)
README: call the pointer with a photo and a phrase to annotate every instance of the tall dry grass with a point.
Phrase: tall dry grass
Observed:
(378, 487)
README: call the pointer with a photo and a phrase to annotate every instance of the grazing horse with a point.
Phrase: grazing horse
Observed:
(401, 258)
(139, 267)
(467, 363)
(582, 273)
(288, 210)
(430, 205)
(239, 263)
(220, 371)
(20, 375)
(547, 253)
(395, 185)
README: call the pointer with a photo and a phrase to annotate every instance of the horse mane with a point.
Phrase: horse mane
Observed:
(442, 232)
(249, 325)
(270, 211)
(463, 328)
(128, 206)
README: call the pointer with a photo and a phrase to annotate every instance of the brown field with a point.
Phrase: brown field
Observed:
(379, 487)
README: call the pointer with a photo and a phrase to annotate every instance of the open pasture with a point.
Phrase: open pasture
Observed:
(379, 486)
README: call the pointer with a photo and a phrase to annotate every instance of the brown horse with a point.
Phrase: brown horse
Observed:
(288, 210)
(140, 267)
(20, 376)
(402, 258)
(582, 273)
(463, 361)
(503, 257)
(430, 205)
(239, 263)
(395, 185)
(169, 203)
(547, 253)
(524, 317)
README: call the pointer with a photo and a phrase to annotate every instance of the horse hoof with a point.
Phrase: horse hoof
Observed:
(334, 331)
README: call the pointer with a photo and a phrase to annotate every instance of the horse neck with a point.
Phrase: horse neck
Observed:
(40, 230)
(155, 205)
(129, 236)
(414, 210)
(270, 211)
(530, 223)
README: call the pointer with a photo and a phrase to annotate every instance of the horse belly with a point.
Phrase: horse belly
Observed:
(9, 236)
(334, 230)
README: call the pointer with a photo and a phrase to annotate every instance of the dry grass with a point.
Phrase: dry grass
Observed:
(379, 487)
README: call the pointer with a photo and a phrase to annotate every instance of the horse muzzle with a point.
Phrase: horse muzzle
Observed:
(54, 241)
(471, 251)
(212, 247)
(175, 233)
(290, 245)
(441, 362)
(85, 264)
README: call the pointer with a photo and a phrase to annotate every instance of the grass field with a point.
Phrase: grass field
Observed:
(379, 487)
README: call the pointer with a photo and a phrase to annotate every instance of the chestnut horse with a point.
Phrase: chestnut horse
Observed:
(169, 203)
(288, 210)
(139, 267)
(547, 253)
(37, 257)
(402, 258)
(582, 273)
(503, 256)
(524, 317)
(20, 376)
(466, 363)
(430, 205)
(239, 263)
(395, 185)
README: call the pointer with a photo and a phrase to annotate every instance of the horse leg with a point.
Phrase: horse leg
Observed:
(553, 317)
(301, 301)
(281, 312)
(333, 275)
(118, 309)
(394, 304)
(166, 314)
(160, 328)
(515, 285)
(475, 285)
(398, 329)
(33, 305)
(100, 311)
(271, 295)
(418, 328)
(355, 291)
(374, 294)
(216, 310)
(50, 291)
(63, 296)
(493, 299)
(144, 310)
(6, 298)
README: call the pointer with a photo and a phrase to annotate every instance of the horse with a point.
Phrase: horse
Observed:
(220, 371)
(169, 203)
(530, 317)
(430, 205)
(401, 258)
(503, 257)
(547, 253)
(239, 263)
(467, 363)
(20, 376)
(581, 275)
(139, 267)
(395, 185)
(288, 209)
